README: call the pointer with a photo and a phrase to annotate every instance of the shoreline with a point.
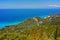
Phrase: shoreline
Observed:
(3, 24)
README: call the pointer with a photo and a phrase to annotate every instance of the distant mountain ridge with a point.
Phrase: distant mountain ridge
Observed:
(49, 19)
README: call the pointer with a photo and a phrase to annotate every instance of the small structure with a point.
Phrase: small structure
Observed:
(40, 22)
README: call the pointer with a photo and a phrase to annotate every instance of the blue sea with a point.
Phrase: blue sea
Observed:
(16, 16)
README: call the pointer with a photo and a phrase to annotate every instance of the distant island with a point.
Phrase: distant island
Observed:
(36, 28)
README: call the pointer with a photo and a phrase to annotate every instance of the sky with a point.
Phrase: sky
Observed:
(4, 4)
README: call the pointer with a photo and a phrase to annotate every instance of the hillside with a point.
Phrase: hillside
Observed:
(33, 29)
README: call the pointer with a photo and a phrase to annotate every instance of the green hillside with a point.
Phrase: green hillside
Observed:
(33, 29)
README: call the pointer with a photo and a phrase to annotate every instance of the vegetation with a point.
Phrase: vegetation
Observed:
(33, 29)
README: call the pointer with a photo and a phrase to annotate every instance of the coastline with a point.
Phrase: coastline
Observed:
(12, 15)
(3, 24)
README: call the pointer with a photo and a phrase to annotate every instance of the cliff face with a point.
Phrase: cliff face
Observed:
(33, 29)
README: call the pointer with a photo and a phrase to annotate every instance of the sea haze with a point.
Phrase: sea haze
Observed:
(14, 16)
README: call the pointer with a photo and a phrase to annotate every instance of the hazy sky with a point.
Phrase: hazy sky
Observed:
(29, 4)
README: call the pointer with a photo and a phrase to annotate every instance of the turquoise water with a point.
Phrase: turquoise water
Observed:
(3, 24)
(14, 16)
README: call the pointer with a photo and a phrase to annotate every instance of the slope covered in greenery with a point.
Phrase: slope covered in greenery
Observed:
(33, 29)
